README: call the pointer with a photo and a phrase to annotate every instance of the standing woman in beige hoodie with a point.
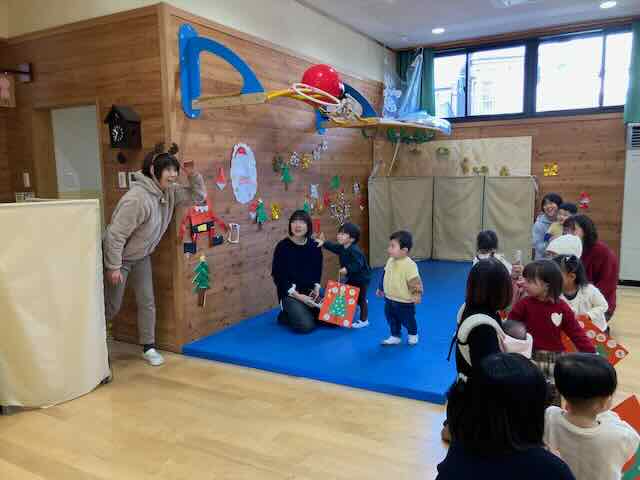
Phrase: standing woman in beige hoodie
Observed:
(137, 225)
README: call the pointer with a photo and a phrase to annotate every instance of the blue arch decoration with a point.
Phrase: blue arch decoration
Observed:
(191, 46)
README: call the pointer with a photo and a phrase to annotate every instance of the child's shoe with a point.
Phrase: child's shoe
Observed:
(413, 339)
(392, 341)
(360, 324)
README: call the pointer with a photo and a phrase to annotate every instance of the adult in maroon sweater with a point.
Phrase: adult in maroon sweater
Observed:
(600, 263)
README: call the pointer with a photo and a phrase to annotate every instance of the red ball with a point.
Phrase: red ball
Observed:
(325, 78)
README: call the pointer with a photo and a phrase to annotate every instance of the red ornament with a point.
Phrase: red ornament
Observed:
(326, 199)
(221, 179)
(584, 200)
(316, 226)
(325, 78)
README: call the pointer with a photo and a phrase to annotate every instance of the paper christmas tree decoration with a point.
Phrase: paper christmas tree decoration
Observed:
(221, 179)
(335, 183)
(550, 169)
(286, 176)
(261, 213)
(307, 206)
(277, 163)
(629, 411)
(605, 345)
(339, 305)
(201, 280)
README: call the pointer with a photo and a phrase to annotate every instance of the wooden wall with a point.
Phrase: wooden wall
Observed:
(6, 192)
(589, 151)
(110, 60)
(241, 274)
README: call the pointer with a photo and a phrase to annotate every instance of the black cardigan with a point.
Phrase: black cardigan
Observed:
(299, 265)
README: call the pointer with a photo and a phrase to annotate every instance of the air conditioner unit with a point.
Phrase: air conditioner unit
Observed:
(630, 244)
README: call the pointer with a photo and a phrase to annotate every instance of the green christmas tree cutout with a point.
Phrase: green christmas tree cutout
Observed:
(339, 306)
(286, 176)
(307, 206)
(201, 280)
(261, 213)
(335, 183)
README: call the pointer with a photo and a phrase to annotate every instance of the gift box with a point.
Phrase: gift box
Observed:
(339, 304)
(629, 411)
(605, 345)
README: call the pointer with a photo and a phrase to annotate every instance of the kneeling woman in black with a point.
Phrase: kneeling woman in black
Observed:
(296, 271)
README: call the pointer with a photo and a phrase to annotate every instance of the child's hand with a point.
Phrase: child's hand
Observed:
(343, 271)
(320, 239)
(516, 271)
(379, 293)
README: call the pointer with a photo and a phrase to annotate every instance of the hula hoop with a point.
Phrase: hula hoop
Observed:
(299, 89)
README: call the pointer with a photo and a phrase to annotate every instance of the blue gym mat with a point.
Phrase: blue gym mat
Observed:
(354, 357)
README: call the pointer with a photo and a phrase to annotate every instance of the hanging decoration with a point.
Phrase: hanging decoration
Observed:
(504, 171)
(584, 201)
(482, 170)
(286, 176)
(201, 280)
(200, 219)
(275, 211)
(261, 214)
(253, 207)
(465, 166)
(341, 209)
(316, 226)
(363, 202)
(221, 179)
(306, 160)
(244, 176)
(314, 193)
(339, 304)
(550, 169)
(277, 163)
(234, 233)
(326, 199)
(356, 187)
(307, 206)
(335, 183)
(294, 161)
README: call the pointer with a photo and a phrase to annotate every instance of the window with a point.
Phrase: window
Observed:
(587, 72)
(450, 80)
(616, 68)
(495, 82)
(569, 74)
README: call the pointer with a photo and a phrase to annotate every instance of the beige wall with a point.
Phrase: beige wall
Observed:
(4, 18)
(283, 22)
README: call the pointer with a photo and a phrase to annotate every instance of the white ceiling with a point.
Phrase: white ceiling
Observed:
(406, 23)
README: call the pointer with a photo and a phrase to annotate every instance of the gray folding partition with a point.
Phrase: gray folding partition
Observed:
(457, 216)
(445, 214)
(508, 210)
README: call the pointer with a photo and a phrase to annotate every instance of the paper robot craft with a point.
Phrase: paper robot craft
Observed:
(200, 219)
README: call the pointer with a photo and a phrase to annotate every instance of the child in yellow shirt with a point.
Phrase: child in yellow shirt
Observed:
(401, 288)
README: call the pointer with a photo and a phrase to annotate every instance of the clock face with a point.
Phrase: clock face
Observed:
(117, 133)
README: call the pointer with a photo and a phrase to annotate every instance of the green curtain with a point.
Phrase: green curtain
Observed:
(427, 87)
(632, 107)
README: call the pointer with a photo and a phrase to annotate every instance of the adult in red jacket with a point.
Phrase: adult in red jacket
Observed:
(600, 263)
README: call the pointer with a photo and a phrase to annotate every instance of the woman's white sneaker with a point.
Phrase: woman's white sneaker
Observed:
(153, 357)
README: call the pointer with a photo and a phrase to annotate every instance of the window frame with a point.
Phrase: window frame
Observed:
(531, 75)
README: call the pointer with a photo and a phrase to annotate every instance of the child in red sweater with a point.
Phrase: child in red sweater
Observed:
(546, 316)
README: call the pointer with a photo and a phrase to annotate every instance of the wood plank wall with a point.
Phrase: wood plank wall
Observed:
(241, 274)
(6, 192)
(589, 151)
(111, 60)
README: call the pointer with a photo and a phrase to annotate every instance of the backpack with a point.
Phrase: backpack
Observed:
(507, 343)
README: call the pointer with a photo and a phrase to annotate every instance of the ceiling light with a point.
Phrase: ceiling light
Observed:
(438, 31)
(610, 4)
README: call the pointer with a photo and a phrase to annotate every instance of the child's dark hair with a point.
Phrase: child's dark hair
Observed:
(572, 264)
(489, 287)
(588, 227)
(487, 241)
(301, 215)
(551, 198)
(548, 272)
(352, 230)
(569, 207)
(404, 239)
(160, 160)
(515, 329)
(500, 410)
(584, 377)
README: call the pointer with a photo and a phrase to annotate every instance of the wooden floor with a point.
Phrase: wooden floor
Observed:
(193, 419)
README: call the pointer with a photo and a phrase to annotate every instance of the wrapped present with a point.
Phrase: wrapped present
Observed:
(339, 304)
(629, 411)
(605, 345)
